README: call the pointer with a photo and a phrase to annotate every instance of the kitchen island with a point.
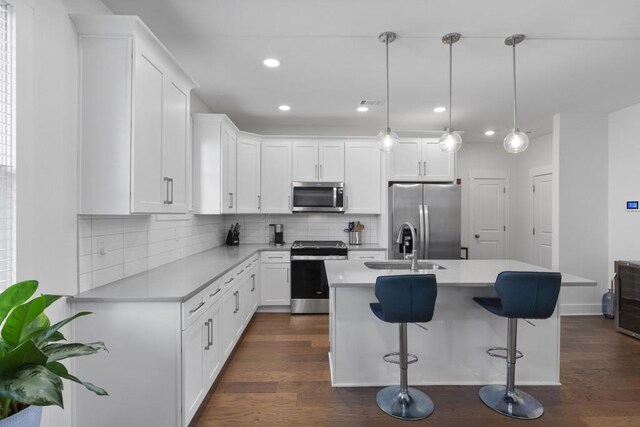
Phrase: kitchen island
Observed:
(452, 350)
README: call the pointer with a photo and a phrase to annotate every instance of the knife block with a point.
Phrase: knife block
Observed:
(233, 238)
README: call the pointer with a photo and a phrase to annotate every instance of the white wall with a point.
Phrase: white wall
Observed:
(580, 241)
(538, 156)
(624, 184)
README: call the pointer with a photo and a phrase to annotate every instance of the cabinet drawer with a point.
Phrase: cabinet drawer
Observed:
(275, 256)
(367, 255)
(194, 307)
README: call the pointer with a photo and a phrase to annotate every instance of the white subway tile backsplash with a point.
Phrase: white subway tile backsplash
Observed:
(135, 267)
(84, 264)
(84, 246)
(103, 227)
(109, 259)
(135, 253)
(136, 239)
(107, 275)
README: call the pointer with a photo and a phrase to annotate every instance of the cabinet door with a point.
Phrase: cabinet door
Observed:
(406, 161)
(194, 340)
(276, 176)
(213, 350)
(331, 160)
(437, 165)
(275, 286)
(147, 189)
(248, 175)
(362, 180)
(174, 147)
(229, 321)
(367, 255)
(228, 140)
(305, 160)
(254, 274)
(248, 300)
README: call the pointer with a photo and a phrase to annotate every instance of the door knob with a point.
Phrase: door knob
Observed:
(477, 236)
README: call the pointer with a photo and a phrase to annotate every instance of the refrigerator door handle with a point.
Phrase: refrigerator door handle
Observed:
(426, 233)
(419, 249)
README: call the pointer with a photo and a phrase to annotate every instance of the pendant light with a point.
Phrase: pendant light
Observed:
(387, 139)
(516, 141)
(450, 141)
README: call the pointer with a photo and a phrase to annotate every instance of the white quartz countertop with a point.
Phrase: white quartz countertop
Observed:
(178, 280)
(458, 273)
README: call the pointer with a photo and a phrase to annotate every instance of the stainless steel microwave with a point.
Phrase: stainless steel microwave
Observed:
(318, 197)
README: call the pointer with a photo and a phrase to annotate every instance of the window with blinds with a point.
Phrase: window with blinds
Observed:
(7, 149)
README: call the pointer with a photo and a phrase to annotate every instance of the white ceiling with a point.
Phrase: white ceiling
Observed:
(579, 55)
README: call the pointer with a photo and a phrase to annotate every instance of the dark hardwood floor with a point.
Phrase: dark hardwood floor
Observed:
(279, 375)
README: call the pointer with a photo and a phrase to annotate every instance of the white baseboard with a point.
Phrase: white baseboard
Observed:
(274, 309)
(580, 309)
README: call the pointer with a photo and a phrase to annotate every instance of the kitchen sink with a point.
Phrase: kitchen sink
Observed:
(403, 265)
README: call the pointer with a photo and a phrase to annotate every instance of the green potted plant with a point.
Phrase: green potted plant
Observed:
(31, 349)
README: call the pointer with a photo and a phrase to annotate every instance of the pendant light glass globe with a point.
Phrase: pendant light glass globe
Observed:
(516, 142)
(450, 141)
(387, 140)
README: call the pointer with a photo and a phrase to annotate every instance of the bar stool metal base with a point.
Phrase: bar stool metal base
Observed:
(415, 405)
(519, 405)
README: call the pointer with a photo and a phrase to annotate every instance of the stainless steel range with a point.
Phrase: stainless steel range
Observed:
(309, 287)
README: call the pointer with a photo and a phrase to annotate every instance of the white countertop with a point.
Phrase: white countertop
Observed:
(458, 273)
(178, 280)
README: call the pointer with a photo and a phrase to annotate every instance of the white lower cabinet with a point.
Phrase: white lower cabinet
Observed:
(275, 279)
(368, 255)
(231, 320)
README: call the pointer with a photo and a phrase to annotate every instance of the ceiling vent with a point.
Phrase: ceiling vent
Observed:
(365, 103)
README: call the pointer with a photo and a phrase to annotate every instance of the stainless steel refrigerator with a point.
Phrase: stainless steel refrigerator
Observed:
(434, 211)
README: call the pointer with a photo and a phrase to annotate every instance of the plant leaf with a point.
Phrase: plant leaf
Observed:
(15, 295)
(26, 353)
(60, 370)
(62, 351)
(39, 324)
(32, 385)
(51, 299)
(48, 334)
(14, 329)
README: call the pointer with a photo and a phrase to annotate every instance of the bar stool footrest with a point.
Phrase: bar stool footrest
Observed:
(391, 358)
(494, 352)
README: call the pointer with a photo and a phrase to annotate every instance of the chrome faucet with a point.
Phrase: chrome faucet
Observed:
(400, 240)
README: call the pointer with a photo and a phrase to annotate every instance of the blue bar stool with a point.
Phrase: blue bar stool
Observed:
(522, 295)
(404, 299)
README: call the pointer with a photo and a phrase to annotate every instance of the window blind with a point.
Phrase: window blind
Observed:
(7, 149)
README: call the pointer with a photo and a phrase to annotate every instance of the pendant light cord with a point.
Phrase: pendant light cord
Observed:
(386, 43)
(450, 77)
(515, 103)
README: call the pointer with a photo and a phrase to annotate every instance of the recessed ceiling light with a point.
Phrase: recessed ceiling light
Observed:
(271, 62)
(439, 110)
(284, 108)
(490, 133)
(363, 109)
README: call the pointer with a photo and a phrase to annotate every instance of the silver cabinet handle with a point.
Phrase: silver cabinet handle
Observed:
(289, 202)
(215, 293)
(315, 171)
(424, 168)
(171, 182)
(419, 170)
(166, 201)
(240, 272)
(230, 200)
(228, 281)
(237, 293)
(367, 257)
(197, 308)
(208, 325)
(259, 202)
(321, 173)
(253, 277)
(211, 340)
(287, 274)
(275, 257)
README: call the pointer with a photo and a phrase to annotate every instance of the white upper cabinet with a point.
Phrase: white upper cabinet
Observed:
(214, 164)
(420, 159)
(318, 160)
(276, 176)
(248, 173)
(134, 119)
(362, 177)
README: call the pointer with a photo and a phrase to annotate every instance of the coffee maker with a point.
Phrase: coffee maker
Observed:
(276, 234)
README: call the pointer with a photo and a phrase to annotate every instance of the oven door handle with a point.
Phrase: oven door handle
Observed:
(317, 257)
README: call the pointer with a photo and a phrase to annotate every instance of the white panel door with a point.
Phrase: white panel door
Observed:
(406, 160)
(228, 200)
(213, 350)
(276, 176)
(174, 147)
(331, 161)
(275, 287)
(229, 321)
(437, 166)
(542, 231)
(487, 219)
(248, 175)
(362, 177)
(148, 193)
(305, 160)
(193, 342)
